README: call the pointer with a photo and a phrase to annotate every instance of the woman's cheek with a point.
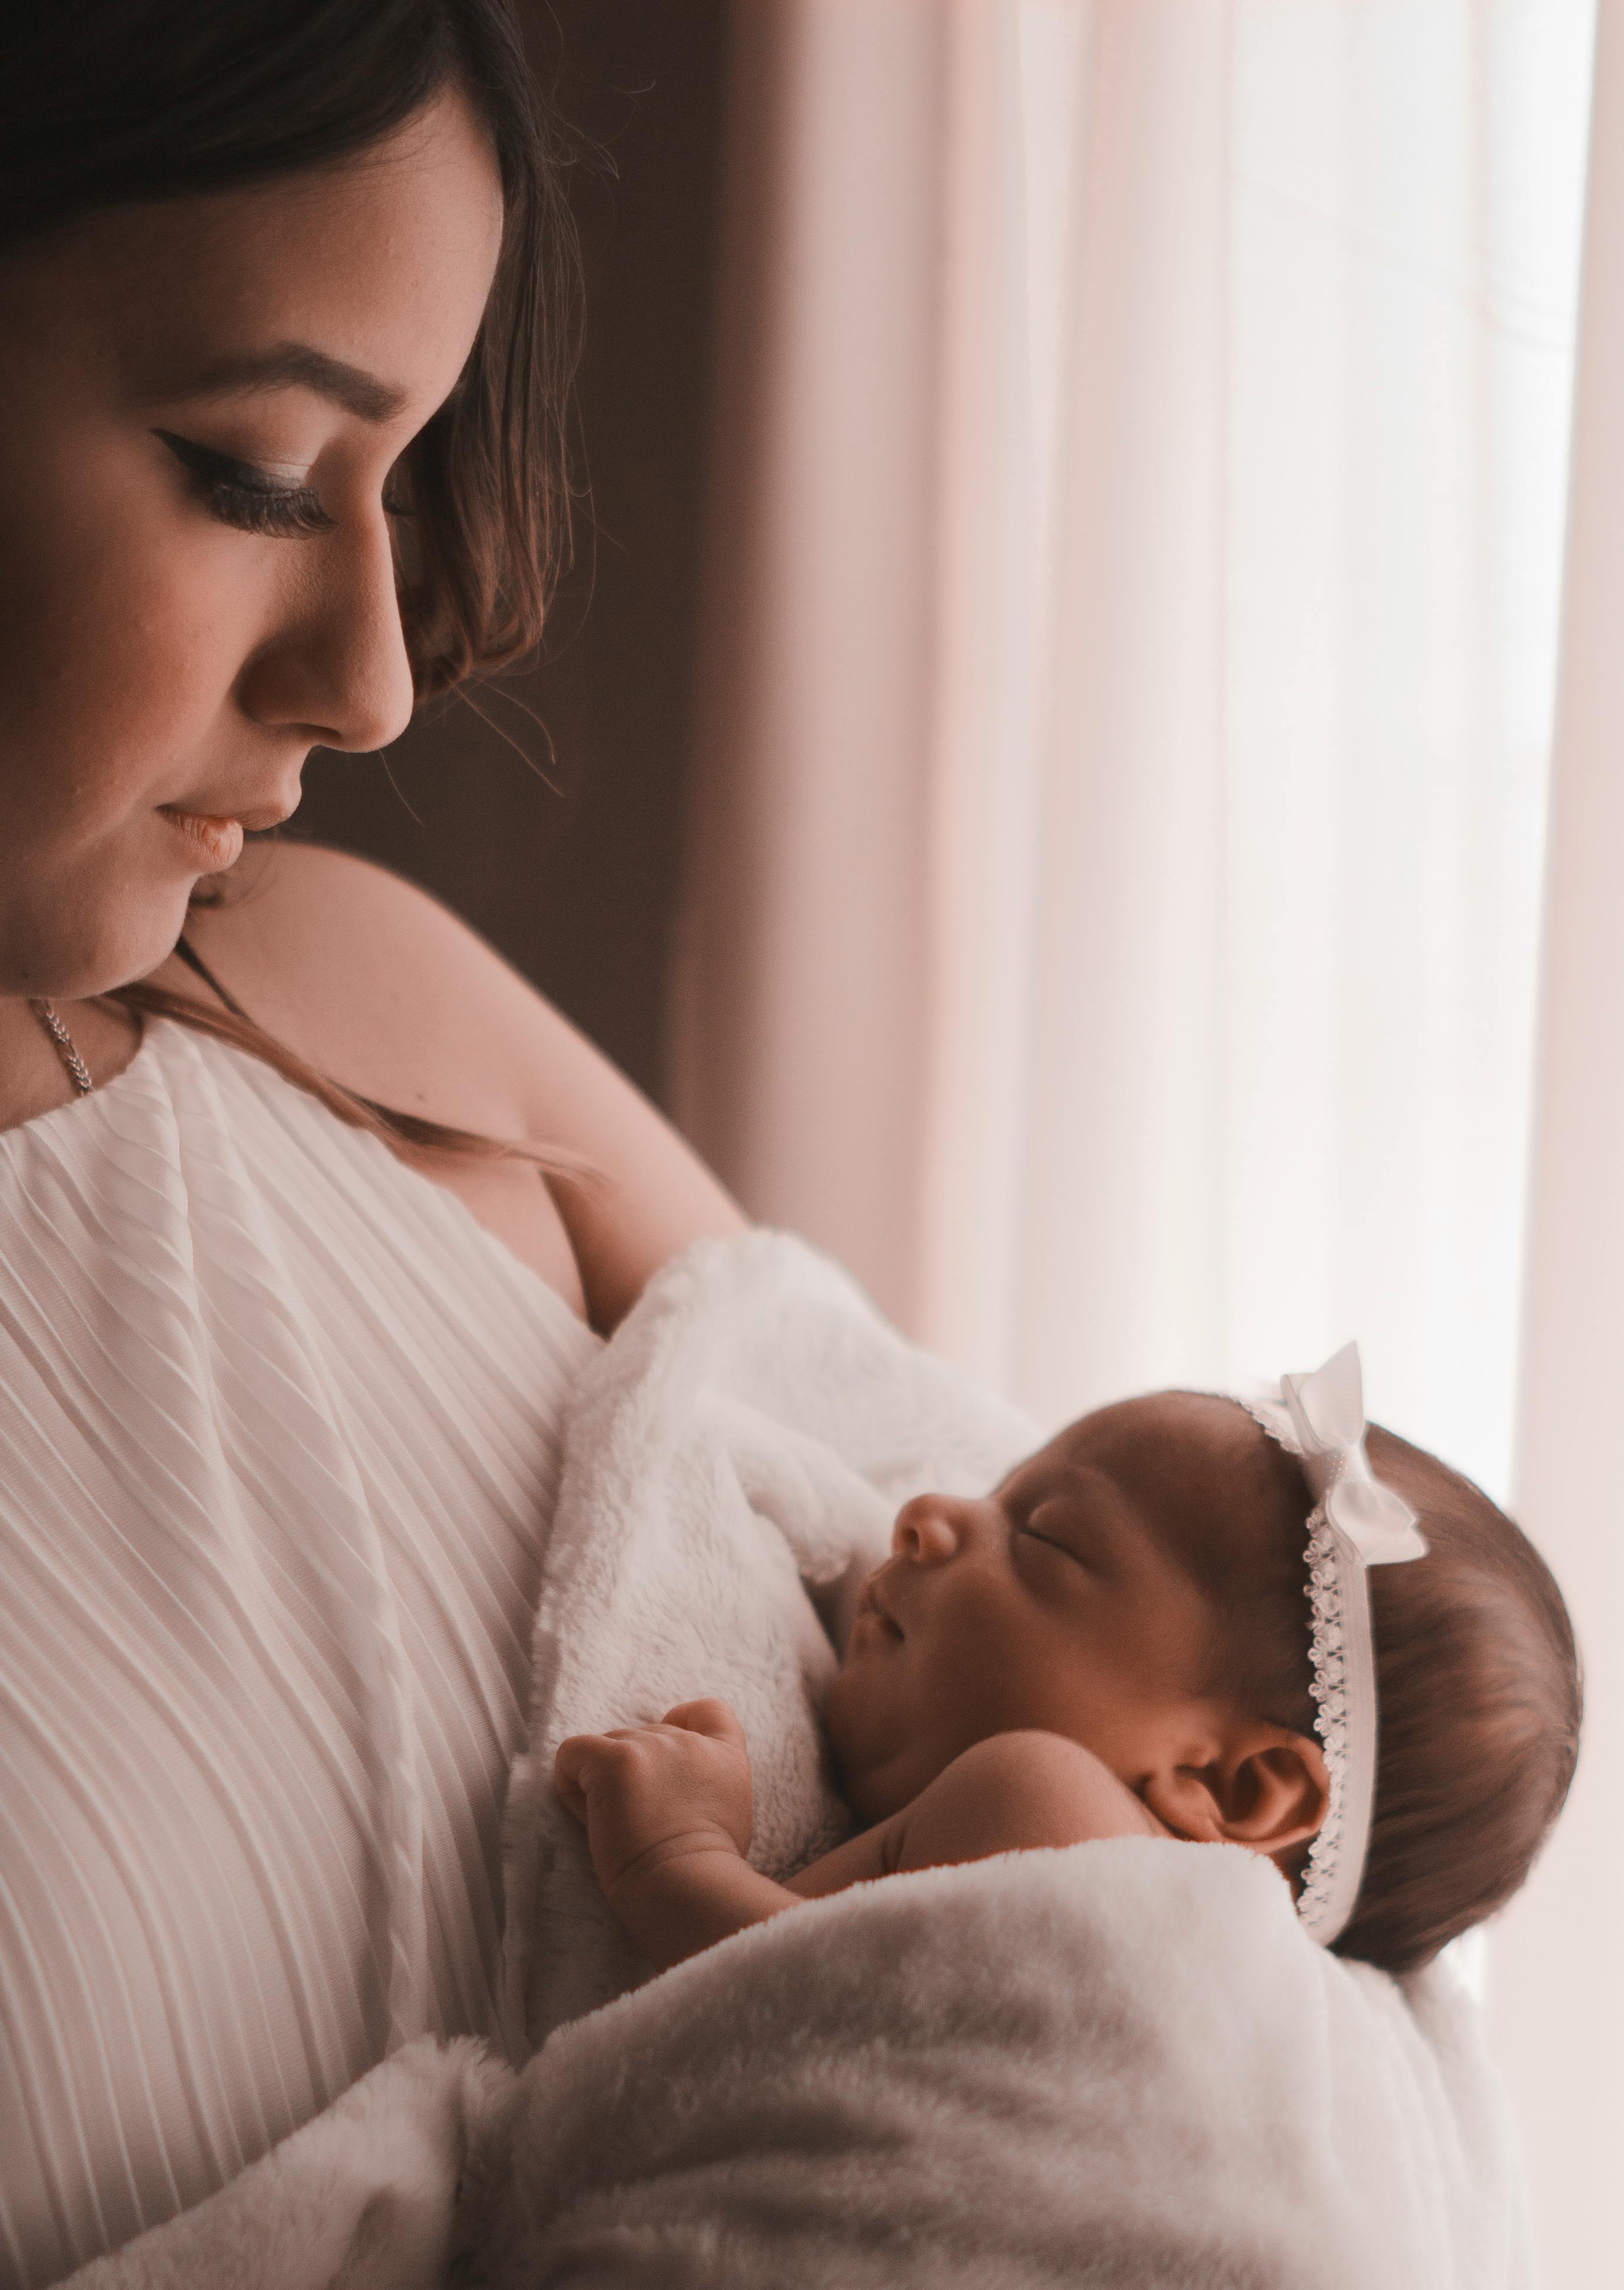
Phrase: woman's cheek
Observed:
(130, 649)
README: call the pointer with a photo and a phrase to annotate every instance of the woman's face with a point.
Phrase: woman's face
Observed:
(201, 401)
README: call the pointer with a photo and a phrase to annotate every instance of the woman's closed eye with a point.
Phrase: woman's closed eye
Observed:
(249, 498)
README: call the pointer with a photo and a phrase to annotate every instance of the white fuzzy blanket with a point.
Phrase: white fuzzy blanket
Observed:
(1121, 2067)
(738, 1451)
(1118, 2065)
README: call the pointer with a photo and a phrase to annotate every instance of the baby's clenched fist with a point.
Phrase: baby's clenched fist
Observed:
(651, 1796)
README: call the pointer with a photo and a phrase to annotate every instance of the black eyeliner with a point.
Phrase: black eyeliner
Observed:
(243, 495)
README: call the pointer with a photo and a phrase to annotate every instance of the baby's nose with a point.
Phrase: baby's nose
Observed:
(928, 1530)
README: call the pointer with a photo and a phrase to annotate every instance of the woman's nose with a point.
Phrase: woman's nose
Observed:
(339, 668)
(929, 1530)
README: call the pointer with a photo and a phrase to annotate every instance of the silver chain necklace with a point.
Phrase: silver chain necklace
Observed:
(77, 1071)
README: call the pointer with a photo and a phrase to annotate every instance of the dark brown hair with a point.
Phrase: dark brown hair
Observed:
(108, 103)
(1477, 1682)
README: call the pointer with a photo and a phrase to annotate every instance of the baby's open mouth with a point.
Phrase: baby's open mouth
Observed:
(870, 1603)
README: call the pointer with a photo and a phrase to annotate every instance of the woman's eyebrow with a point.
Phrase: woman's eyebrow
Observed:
(287, 366)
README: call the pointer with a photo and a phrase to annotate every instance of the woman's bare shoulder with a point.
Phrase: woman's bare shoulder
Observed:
(371, 979)
(376, 983)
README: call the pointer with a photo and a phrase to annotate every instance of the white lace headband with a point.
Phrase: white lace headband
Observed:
(1356, 1523)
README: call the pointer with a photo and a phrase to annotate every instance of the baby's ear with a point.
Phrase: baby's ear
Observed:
(1267, 1789)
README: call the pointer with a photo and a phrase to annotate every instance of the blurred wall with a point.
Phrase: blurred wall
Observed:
(575, 881)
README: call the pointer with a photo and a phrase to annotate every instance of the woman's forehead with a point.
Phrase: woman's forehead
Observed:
(381, 264)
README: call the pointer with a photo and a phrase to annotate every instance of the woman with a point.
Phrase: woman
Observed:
(284, 334)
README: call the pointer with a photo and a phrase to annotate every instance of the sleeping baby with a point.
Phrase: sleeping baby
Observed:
(1115, 1642)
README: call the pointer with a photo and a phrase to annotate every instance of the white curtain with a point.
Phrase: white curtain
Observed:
(1115, 888)
(1133, 605)
(1556, 1973)
(796, 1051)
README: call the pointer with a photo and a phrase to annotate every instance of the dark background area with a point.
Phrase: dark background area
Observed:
(573, 875)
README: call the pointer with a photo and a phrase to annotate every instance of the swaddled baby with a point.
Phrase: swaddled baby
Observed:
(1115, 1642)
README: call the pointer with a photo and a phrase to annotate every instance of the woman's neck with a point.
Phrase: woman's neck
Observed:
(33, 1078)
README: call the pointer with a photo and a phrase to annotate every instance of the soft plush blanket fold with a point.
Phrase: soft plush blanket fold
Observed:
(1119, 2065)
(363, 2198)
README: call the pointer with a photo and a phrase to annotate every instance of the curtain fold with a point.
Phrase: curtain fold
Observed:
(1113, 880)
(1118, 1276)
(1557, 1973)
(797, 1029)
(1071, 803)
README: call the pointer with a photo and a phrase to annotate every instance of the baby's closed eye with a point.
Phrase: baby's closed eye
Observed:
(1034, 1535)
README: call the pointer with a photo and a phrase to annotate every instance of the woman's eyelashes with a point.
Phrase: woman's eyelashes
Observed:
(250, 499)
(239, 494)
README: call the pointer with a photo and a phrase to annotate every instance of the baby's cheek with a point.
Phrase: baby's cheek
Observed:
(985, 1662)
(840, 1711)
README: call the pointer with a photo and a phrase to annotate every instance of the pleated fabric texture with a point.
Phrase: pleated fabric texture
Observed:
(279, 1447)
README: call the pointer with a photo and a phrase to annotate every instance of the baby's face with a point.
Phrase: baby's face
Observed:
(1052, 1603)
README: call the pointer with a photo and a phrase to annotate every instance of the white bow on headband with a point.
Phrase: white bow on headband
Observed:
(1356, 1523)
(1321, 1418)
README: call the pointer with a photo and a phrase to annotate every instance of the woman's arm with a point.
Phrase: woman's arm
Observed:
(380, 987)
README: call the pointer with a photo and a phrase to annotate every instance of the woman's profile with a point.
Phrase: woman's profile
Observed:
(285, 338)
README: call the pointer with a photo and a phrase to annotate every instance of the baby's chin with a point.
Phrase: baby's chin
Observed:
(864, 1773)
(843, 1727)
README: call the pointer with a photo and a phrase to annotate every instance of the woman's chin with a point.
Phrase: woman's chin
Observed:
(115, 950)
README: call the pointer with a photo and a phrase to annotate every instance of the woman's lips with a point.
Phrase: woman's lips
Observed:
(218, 841)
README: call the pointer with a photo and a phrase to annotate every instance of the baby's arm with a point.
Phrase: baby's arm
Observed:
(666, 1810)
(667, 1814)
(1009, 1794)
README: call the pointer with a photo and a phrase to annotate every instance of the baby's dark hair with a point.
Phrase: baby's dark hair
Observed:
(1477, 1682)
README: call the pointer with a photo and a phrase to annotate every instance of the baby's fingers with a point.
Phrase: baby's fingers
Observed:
(709, 1716)
(572, 1769)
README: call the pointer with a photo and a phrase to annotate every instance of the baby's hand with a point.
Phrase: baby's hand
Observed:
(651, 1794)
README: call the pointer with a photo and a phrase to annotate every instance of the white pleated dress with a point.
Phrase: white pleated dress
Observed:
(279, 1445)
